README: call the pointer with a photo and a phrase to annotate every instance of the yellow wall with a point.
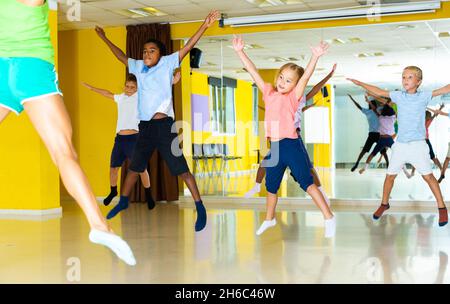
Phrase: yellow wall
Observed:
(28, 178)
(85, 58)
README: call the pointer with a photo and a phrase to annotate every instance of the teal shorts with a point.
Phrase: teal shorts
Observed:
(23, 79)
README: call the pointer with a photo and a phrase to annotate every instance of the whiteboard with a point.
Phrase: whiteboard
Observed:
(317, 125)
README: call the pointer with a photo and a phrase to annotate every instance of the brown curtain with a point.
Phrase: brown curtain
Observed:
(164, 185)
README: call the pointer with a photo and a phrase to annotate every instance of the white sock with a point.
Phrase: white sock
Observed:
(325, 196)
(256, 189)
(115, 243)
(265, 225)
(330, 227)
(364, 169)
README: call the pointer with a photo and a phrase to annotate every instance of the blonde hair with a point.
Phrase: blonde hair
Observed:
(415, 69)
(292, 66)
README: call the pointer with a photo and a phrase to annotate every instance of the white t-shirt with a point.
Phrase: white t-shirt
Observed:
(387, 125)
(127, 117)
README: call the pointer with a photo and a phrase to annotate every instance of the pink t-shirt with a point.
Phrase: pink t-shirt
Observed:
(387, 125)
(280, 113)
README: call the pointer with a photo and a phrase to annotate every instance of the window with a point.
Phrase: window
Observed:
(223, 117)
(255, 110)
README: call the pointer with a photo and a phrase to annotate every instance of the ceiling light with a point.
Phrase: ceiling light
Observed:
(355, 40)
(345, 13)
(444, 35)
(405, 26)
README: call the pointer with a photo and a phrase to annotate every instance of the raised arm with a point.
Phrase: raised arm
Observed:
(317, 52)
(105, 93)
(209, 20)
(354, 101)
(372, 89)
(120, 55)
(438, 112)
(309, 106)
(238, 46)
(442, 91)
(320, 85)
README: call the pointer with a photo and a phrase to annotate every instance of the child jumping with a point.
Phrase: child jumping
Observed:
(154, 74)
(297, 124)
(281, 104)
(126, 135)
(410, 146)
(28, 81)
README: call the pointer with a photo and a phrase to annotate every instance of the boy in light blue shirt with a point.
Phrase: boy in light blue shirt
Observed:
(410, 146)
(154, 74)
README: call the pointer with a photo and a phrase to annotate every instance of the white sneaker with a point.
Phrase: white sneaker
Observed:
(266, 225)
(115, 243)
(330, 227)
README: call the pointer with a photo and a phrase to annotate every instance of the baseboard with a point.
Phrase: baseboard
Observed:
(24, 214)
(292, 203)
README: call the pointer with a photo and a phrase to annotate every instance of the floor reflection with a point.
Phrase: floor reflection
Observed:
(399, 248)
(339, 184)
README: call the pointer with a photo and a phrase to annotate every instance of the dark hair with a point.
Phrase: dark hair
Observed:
(131, 77)
(374, 103)
(387, 111)
(428, 114)
(159, 45)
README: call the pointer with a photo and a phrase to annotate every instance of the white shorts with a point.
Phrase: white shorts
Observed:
(448, 151)
(416, 153)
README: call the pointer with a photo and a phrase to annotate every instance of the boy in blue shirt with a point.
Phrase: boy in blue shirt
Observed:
(154, 74)
(410, 146)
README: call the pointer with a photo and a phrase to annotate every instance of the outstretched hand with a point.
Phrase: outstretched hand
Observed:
(333, 70)
(320, 49)
(238, 43)
(100, 32)
(86, 85)
(212, 17)
(357, 82)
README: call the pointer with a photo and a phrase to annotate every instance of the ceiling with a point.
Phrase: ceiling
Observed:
(378, 53)
(389, 48)
(110, 12)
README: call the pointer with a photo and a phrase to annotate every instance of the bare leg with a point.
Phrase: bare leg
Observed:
(315, 177)
(387, 188)
(260, 174)
(386, 158)
(129, 182)
(444, 168)
(434, 186)
(437, 163)
(190, 182)
(51, 120)
(3, 113)
(320, 202)
(369, 159)
(145, 179)
(271, 204)
(113, 175)
(361, 155)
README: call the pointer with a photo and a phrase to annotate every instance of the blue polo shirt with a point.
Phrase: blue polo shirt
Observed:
(372, 119)
(411, 114)
(154, 84)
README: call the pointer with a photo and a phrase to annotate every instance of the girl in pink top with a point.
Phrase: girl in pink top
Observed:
(281, 104)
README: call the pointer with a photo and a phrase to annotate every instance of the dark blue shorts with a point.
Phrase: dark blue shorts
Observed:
(287, 153)
(382, 143)
(123, 149)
